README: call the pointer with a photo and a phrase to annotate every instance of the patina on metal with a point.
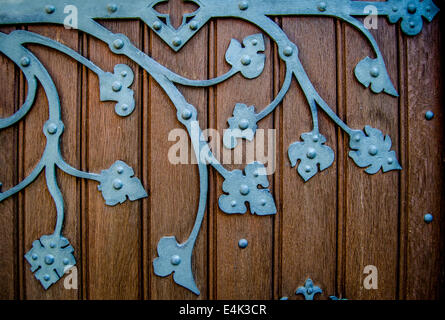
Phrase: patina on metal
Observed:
(50, 255)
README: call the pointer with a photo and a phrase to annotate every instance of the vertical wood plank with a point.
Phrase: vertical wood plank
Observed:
(242, 273)
(372, 200)
(174, 188)
(9, 103)
(425, 179)
(310, 208)
(38, 207)
(114, 233)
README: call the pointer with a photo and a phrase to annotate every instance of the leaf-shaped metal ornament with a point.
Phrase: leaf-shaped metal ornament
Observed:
(118, 183)
(309, 290)
(312, 153)
(115, 87)
(50, 258)
(243, 125)
(177, 258)
(247, 59)
(243, 187)
(373, 150)
(372, 72)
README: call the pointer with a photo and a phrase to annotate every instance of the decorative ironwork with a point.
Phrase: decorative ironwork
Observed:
(309, 290)
(369, 148)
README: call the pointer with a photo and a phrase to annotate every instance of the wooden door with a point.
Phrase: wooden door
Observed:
(327, 229)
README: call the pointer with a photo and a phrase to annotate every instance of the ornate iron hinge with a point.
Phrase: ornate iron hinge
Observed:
(52, 255)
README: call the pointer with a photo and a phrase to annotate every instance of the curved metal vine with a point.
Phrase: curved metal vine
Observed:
(51, 255)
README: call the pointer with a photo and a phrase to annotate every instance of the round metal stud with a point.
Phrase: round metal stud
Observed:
(186, 114)
(118, 44)
(175, 260)
(157, 25)
(49, 259)
(372, 150)
(193, 25)
(254, 42)
(124, 74)
(25, 61)
(244, 189)
(428, 218)
(428, 9)
(120, 169)
(309, 290)
(243, 124)
(112, 7)
(315, 138)
(357, 138)
(177, 42)
(233, 204)
(243, 243)
(412, 8)
(116, 86)
(66, 261)
(245, 60)
(390, 161)
(52, 128)
(395, 9)
(412, 24)
(322, 6)
(307, 169)
(34, 256)
(49, 9)
(429, 115)
(124, 107)
(374, 72)
(117, 184)
(52, 245)
(263, 202)
(311, 153)
(46, 277)
(288, 51)
(243, 5)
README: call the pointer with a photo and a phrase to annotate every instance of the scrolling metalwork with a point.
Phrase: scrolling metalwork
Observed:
(51, 255)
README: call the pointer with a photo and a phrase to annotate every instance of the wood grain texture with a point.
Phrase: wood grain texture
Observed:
(114, 233)
(247, 273)
(174, 188)
(309, 209)
(372, 200)
(9, 91)
(425, 171)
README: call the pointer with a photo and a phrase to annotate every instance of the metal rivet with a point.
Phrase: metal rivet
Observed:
(233, 204)
(120, 169)
(46, 277)
(244, 189)
(124, 74)
(49, 259)
(390, 160)
(52, 245)
(372, 150)
(245, 60)
(315, 138)
(288, 51)
(243, 124)
(34, 257)
(66, 261)
(52, 128)
(395, 9)
(116, 86)
(177, 42)
(374, 72)
(124, 107)
(263, 202)
(357, 138)
(428, 218)
(254, 42)
(243, 5)
(307, 169)
(175, 260)
(50, 9)
(117, 184)
(186, 114)
(243, 243)
(311, 153)
(428, 8)
(193, 25)
(25, 61)
(322, 6)
(412, 8)
(157, 25)
(412, 24)
(429, 115)
(309, 290)
(118, 44)
(112, 7)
